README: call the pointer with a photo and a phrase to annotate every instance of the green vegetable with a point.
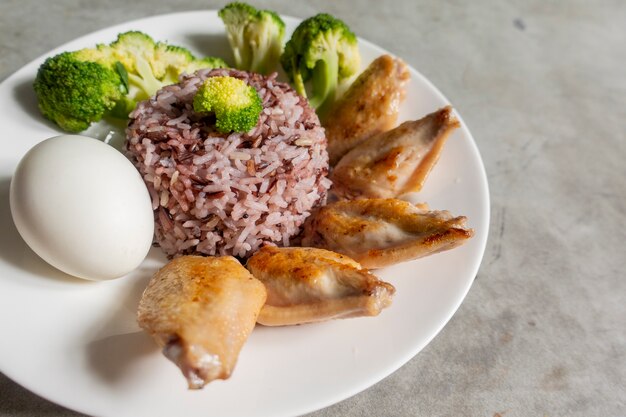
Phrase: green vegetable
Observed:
(255, 36)
(77, 88)
(323, 50)
(208, 62)
(136, 51)
(74, 93)
(236, 105)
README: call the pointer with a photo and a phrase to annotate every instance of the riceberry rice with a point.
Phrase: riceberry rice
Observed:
(228, 194)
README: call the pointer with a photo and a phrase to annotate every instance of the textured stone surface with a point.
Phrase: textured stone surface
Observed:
(542, 86)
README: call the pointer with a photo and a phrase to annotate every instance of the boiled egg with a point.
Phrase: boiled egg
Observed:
(82, 207)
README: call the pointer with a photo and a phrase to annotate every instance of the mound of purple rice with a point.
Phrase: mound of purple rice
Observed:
(228, 194)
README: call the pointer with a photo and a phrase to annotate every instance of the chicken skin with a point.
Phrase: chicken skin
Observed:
(381, 232)
(395, 162)
(369, 106)
(308, 285)
(201, 310)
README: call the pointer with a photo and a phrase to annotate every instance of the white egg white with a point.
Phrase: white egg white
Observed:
(82, 207)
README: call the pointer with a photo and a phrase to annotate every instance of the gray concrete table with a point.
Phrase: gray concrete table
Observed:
(542, 86)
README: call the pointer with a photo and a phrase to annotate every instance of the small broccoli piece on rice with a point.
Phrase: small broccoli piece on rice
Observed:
(236, 105)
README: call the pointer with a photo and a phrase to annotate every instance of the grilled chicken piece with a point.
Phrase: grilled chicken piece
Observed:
(382, 232)
(308, 285)
(395, 162)
(200, 310)
(370, 106)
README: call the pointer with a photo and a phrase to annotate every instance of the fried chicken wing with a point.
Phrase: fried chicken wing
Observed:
(382, 232)
(308, 285)
(395, 162)
(201, 310)
(370, 106)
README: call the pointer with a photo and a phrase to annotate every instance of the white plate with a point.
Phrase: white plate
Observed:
(76, 342)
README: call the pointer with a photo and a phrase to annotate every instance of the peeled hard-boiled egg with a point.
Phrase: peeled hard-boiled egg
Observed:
(82, 207)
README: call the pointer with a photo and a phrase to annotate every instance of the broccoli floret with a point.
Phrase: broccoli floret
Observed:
(169, 61)
(152, 65)
(77, 88)
(135, 51)
(323, 50)
(102, 54)
(74, 93)
(129, 46)
(255, 36)
(202, 63)
(236, 105)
